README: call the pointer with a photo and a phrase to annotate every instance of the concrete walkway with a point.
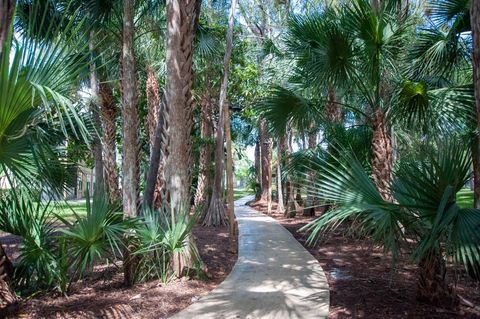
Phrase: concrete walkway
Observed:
(274, 277)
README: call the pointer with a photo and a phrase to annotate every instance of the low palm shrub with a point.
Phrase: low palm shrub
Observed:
(40, 264)
(423, 220)
(96, 236)
(159, 237)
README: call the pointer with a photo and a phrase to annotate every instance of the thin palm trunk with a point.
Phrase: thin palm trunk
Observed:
(280, 204)
(130, 158)
(310, 201)
(258, 172)
(293, 207)
(382, 155)
(109, 119)
(7, 296)
(215, 215)
(97, 123)
(266, 157)
(156, 156)
(475, 25)
(153, 118)
(204, 184)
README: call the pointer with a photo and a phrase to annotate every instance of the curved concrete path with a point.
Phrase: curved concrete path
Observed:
(274, 277)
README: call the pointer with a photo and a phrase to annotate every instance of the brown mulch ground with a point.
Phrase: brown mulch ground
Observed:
(103, 295)
(363, 283)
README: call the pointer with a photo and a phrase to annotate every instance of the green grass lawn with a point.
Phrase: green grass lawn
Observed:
(239, 193)
(66, 209)
(465, 198)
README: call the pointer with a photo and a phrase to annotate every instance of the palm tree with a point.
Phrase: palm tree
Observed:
(181, 23)
(424, 211)
(475, 26)
(109, 112)
(38, 112)
(336, 50)
(181, 16)
(215, 215)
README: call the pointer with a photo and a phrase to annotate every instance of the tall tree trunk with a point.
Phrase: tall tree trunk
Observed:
(97, 123)
(280, 204)
(266, 157)
(382, 159)
(309, 210)
(156, 156)
(181, 18)
(130, 165)
(7, 9)
(7, 296)
(153, 118)
(204, 184)
(293, 207)
(258, 172)
(109, 115)
(180, 32)
(215, 215)
(432, 287)
(153, 103)
(475, 24)
(229, 169)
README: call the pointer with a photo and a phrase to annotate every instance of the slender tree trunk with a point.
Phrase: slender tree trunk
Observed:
(94, 106)
(153, 102)
(266, 158)
(309, 210)
(204, 184)
(292, 206)
(280, 204)
(155, 116)
(131, 170)
(475, 24)
(432, 287)
(382, 160)
(216, 212)
(156, 156)
(258, 172)
(7, 296)
(7, 10)
(109, 114)
(181, 18)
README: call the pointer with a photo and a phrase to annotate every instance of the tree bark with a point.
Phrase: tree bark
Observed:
(109, 114)
(266, 157)
(204, 184)
(181, 17)
(432, 287)
(7, 10)
(156, 156)
(154, 116)
(382, 158)
(475, 25)
(180, 33)
(292, 206)
(280, 204)
(258, 172)
(309, 210)
(130, 159)
(215, 215)
(97, 123)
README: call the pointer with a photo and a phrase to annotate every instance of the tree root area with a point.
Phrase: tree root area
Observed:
(363, 283)
(103, 295)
